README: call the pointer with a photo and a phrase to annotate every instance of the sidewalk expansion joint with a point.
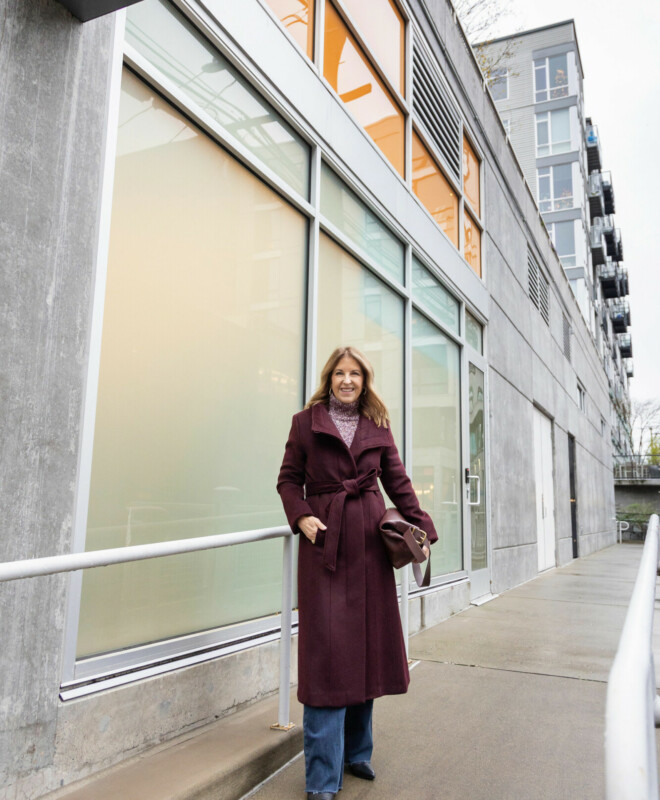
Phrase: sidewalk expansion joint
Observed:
(510, 669)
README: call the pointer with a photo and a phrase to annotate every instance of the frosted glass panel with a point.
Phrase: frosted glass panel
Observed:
(436, 439)
(201, 370)
(355, 308)
(430, 293)
(171, 43)
(362, 226)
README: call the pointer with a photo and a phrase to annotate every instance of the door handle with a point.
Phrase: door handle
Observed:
(478, 500)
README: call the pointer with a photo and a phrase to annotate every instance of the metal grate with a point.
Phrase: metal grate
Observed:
(533, 279)
(567, 337)
(435, 108)
(544, 298)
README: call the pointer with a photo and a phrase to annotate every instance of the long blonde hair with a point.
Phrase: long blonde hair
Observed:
(370, 403)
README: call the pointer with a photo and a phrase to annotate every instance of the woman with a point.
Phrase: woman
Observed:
(350, 647)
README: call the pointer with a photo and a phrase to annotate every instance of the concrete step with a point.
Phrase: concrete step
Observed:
(222, 761)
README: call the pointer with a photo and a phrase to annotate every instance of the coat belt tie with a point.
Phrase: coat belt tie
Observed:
(352, 487)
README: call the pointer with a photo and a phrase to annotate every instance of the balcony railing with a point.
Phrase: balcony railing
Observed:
(594, 160)
(608, 192)
(596, 197)
(620, 316)
(636, 468)
(618, 256)
(624, 289)
(625, 345)
(629, 368)
(610, 279)
(597, 244)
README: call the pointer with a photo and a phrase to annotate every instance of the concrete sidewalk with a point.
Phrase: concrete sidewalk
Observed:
(507, 702)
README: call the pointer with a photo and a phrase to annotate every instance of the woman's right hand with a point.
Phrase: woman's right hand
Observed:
(310, 526)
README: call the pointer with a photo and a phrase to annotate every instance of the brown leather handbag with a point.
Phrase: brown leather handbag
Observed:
(403, 542)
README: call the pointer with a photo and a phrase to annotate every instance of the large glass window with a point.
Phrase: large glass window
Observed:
(553, 132)
(202, 335)
(213, 85)
(297, 16)
(474, 333)
(347, 69)
(472, 242)
(555, 187)
(430, 293)
(436, 439)
(471, 179)
(563, 238)
(356, 308)
(384, 29)
(434, 190)
(550, 78)
(341, 206)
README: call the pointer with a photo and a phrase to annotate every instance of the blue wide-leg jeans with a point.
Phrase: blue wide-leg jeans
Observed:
(332, 737)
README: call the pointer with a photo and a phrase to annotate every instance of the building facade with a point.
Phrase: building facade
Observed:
(200, 200)
(538, 89)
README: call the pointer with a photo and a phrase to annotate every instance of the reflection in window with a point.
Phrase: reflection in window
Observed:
(359, 223)
(434, 190)
(384, 30)
(474, 333)
(436, 439)
(563, 238)
(356, 308)
(297, 16)
(351, 75)
(553, 133)
(471, 177)
(166, 38)
(555, 187)
(430, 293)
(550, 78)
(203, 334)
(472, 245)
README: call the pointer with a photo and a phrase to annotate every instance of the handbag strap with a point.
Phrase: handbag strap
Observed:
(425, 581)
(417, 551)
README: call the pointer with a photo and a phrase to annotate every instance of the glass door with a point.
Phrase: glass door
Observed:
(476, 486)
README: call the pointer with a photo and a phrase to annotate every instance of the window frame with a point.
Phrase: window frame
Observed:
(553, 200)
(543, 65)
(547, 117)
(497, 80)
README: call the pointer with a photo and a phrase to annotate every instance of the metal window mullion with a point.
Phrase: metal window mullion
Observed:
(408, 432)
(313, 277)
(319, 31)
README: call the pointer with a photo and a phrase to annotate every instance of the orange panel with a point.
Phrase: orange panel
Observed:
(349, 73)
(472, 251)
(471, 177)
(384, 30)
(434, 190)
(297, 16)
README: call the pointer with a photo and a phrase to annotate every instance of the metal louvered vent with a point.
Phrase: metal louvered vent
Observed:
(436, 110)
(533, 279)
(544, 298)
(567, 337)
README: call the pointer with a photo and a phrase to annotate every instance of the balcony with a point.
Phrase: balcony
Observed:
(596, 197)
(618, 256)
(630, 372)
(620, 316)
(610, 279)
(597, 245)
(624, 281)
(608, 192)
(594, 160)
(625, 345)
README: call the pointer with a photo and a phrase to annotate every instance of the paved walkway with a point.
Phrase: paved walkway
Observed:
(507, 700)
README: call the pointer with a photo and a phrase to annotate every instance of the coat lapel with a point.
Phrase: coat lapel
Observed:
(368, 435)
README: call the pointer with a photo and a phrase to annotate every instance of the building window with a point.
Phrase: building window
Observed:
(581, 398)
(472, 242)
(432, 295)
(555, 186)
(474, 333)
(550, 78)
(202, 253)
(562, 235)
(553, 132)
(350, 73)
(499, 83)
(434, 190)
(297, 16)
(213, 85)
(471, 178)
(436, 445)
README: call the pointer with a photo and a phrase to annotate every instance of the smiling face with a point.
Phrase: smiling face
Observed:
(347, 380)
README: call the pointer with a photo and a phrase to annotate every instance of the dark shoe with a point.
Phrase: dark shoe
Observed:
(362, 769)
(320, 795)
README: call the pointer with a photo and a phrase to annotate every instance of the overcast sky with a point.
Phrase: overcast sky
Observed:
(620, 51)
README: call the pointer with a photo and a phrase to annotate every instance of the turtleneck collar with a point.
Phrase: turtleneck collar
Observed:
(345, 409)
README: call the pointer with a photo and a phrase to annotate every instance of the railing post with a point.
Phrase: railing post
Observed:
(283, 715)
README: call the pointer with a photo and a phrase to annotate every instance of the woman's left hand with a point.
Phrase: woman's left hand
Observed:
(426, 549)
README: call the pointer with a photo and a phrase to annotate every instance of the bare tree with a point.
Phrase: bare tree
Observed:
(481, 20)
(643, 428)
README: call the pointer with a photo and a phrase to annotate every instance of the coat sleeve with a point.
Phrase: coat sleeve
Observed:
(400, 490)
(291, 479)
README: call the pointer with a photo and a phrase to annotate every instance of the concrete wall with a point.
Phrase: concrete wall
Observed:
(54, 76)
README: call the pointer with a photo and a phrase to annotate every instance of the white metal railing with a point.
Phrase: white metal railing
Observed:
(50, 565)
(633, 706)
(70, 562)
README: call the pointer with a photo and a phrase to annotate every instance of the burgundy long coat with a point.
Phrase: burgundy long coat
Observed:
(350, 646)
